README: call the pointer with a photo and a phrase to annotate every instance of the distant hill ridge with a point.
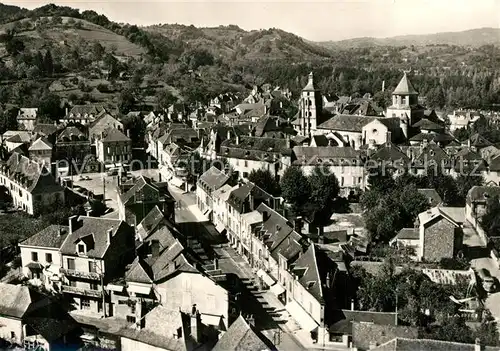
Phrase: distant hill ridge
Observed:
(473, 38)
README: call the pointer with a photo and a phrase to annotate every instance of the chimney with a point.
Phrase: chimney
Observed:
(155, 248)
(109, 235)
(251, 321)
(389, 136)
(321, 235)
(216, 263)
(66, 110)
(297, 225)
(195, 324)
(62, 231)
(228, 136)
(265, 216)
(72, 223)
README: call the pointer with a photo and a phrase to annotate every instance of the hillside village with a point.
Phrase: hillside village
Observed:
(141, 215)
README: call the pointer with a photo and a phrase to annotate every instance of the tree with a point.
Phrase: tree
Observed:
(265, 180)
(164, 99)
(50, 107)
(454, 329)
(9, 120)
(324, 189)
(98, 50)
(295, 188)
(48, 63)
(126, 101)
(137, 127)
(488, 331)
(491, 219)
(464, 183)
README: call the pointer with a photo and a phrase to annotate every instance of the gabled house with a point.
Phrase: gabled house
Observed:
(83, 114)
(101, 125)
(95, 252)
(41, 152)
(438, 236)
(244, 198)
(243, 336)
(137, 198)
(29, 319)
(31, 186)
(114, 148)
(72, 145)
(209, 182)
(40, 255)
(245, 154)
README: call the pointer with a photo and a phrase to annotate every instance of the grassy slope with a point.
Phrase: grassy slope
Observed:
(225, 41)
(89, 32)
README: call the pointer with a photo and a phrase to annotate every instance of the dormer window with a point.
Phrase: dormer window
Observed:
(81, 249)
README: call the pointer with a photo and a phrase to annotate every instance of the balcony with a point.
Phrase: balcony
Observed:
(81, 291)
(80, 274)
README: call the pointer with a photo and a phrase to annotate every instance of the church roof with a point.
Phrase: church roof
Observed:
(405, 87)
(310, 84)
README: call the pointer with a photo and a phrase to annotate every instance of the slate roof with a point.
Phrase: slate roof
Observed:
(402, 344)
(51, 321)
(94, 227)
(390, 152)
(348, 123)
(425, 124)
(83, 110)
(27, 113)
(479, 141)
(44, 129)
(160, 326)
(432, 136)
(115, 135)
(139, 184)
(241, 193)
(320, 140)
(213, 178)
(482, 193)
(310, 83)
(241, 337)
(404, 87)
(306, 267)
(16, 300)
(327, 155)
(255, 148)
(53, 237)
(434, 213)
(137, 272)
(35, 178)
(150, 222)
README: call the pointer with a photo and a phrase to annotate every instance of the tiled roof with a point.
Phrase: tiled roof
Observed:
(137, 272)
(342, 319)
(53, 236)
(432, 195)
(16, 299)
(150, 222)
(115, 135)
(402, 344)
(241, 337)
(365, 335)
(390, 152)
(213, 178)
(408, 234)
(405, 87)
(94, 227)
(40, 144)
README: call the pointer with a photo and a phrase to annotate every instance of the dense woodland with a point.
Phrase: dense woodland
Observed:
(201, 63)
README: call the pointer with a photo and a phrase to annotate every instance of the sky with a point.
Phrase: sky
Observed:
(314, 20)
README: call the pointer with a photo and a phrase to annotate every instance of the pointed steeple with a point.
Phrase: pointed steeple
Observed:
(405, 87)
(310, 83)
